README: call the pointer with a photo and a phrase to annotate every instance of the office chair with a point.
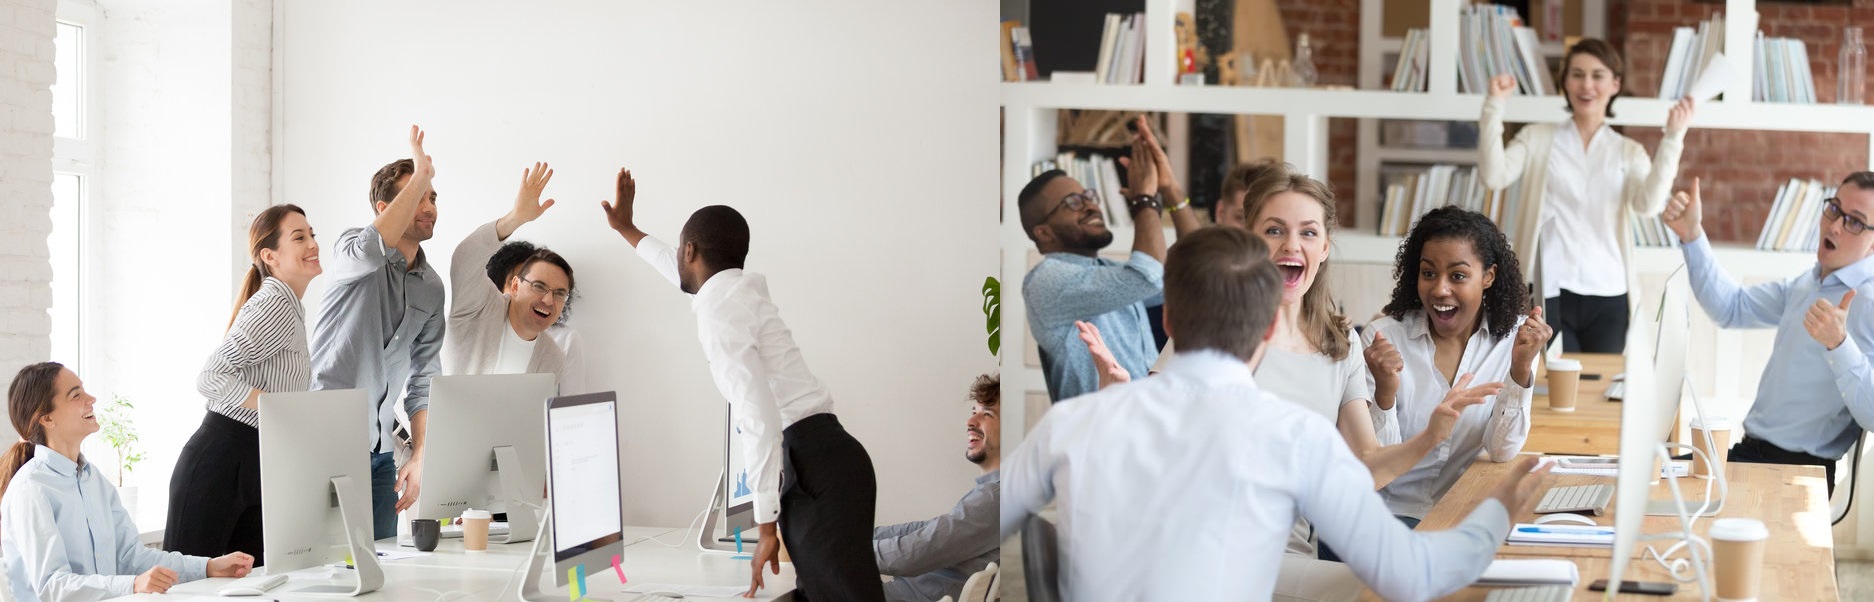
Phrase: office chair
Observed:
(1041, 560)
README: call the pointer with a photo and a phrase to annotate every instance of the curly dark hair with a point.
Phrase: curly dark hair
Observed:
(1505, 300)
(511, 258)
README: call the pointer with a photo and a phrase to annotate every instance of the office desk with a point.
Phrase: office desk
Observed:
(486, 576)
(1799, 561)
(1594, 427)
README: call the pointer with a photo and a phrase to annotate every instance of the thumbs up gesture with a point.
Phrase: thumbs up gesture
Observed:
(1828, 322)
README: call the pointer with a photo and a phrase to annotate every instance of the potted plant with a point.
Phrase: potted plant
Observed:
(118, 428)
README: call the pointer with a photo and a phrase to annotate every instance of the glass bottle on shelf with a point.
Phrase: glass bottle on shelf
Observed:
(1301, 72)
(1851, 69)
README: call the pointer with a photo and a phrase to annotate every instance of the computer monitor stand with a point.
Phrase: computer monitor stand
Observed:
(535, 566)
(523, 524)
(706, 539)
(363, 550)
(1695, 567)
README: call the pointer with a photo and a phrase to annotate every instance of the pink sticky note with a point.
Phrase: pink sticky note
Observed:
(617, 565)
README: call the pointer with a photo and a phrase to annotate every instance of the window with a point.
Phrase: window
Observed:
(74, 171)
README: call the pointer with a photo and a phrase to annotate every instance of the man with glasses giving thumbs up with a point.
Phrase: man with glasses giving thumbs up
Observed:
(1817, 393)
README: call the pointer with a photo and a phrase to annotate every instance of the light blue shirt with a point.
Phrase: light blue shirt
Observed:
(1066, 287)
(67, 538)
(1811, 399)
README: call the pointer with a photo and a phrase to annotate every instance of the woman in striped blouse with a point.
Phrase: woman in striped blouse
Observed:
(214, 496)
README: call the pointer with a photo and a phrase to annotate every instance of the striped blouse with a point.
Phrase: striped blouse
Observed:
(265, 349)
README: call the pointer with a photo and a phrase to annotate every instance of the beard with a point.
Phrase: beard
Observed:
(1081, 239)
(977, 457)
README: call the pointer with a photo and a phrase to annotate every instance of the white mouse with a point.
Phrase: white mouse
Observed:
(1566, 517)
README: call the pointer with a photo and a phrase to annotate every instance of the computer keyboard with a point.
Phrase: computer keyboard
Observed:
(1546, 593)
(656, 598)
(253, 585)
(1576, 498)
(495, 529)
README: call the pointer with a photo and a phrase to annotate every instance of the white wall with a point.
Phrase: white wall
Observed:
(26, 73)
(859, 140)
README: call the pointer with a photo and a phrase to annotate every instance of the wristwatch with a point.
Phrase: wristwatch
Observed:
(1141, 202)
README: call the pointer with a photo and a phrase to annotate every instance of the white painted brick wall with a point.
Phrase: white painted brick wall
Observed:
(26, 76)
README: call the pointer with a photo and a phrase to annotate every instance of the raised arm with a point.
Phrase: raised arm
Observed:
(395, 219)
(1183, 219)
(1729, 304)
(618, 212)
(1496, 164)
(470, 291)
(1148, 231)
(1649, 182)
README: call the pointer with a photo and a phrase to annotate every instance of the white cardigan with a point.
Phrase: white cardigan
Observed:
(478, 314)
(1648, 185)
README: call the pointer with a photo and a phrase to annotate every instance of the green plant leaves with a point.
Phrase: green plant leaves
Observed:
(992, 311)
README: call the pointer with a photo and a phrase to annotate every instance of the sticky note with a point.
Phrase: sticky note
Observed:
(618, 565)
(576, 582)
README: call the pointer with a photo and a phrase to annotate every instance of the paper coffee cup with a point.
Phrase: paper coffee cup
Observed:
(475, 530)
(1711, 436)
(1564, 382)
(1737, 557)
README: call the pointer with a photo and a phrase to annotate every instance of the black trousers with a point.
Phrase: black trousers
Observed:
(1758, 451)
(214, 494)
(829, 496)
(1590, 324)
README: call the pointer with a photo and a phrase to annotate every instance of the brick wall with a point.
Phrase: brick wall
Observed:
(26, 75)
(1333, 27)
(1740, 170)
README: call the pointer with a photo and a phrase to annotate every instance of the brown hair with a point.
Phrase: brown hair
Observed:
(987, 390)
(1238, 181)
(263, 234)
(1221, 291)
(1600, 49)
(1321, 321)
(29, 399)
(384, 186)
(1860, 179)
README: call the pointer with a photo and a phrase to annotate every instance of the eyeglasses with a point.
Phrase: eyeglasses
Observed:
(1831, 209)
(1076, 201)
(559, 294)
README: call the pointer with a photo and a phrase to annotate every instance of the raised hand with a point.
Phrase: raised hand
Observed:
(527, 205)
(1142, 169)
(1680, 116)
(1531, 337)
(1518, 488)
(1502, 86)
(425, 168)
(1104, 364)
(1684, 213)
(1461, 396)
(1167, 180)
(1827, 322)
(1383, 360)
(618, 211)
(157, 580)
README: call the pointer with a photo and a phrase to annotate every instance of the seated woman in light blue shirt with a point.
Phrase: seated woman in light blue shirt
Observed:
(66, 536)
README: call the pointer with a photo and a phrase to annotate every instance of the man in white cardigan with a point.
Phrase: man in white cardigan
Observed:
(497, 330)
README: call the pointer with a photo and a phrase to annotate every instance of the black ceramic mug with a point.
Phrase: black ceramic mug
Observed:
(425, 532)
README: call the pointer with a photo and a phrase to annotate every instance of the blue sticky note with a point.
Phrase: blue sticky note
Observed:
(576, 582)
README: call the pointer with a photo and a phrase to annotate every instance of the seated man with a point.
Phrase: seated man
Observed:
(1817, 393)
(1073, 283)
(932, 559)
(1186, 485)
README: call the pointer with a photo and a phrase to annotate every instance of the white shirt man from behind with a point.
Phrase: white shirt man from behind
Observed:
(1185, 485)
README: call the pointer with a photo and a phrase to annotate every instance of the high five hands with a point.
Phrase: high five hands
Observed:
(527, 204)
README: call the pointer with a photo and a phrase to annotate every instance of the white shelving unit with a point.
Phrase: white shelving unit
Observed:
(1030, 110)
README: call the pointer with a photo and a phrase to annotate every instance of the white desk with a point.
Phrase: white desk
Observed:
(485, 576)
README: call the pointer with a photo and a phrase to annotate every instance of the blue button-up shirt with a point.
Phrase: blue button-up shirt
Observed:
(1811, 399)
(1066, 287)
(67, 538)
(380, 328)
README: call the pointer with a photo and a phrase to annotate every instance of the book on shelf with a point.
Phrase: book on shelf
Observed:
(1492, 41)
(1010, 67)
(1691, 52)
(1408, 74)
(1782, 71)
(1791, 225)
(1122, 50)
(1025, 55)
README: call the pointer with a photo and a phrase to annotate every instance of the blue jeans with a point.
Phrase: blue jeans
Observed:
(383, 496)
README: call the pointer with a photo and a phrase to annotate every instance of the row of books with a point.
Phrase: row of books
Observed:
(1782, 72)
(1408, 75)
(1099, 174)
(1492, 41)
(1692, 49)
(1650, 231)
(1413, 192)
(1018, 53)
(1792, 222)
(1122, 50)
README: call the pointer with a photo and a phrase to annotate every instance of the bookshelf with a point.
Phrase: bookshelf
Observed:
(1029, 134)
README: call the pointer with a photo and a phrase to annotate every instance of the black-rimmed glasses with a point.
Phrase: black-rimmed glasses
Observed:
(1831, 209)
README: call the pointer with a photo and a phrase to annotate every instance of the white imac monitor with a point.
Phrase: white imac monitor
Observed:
(733, 503)
(315, 482)
(1656, 346)
(586, 501)
(486, 449)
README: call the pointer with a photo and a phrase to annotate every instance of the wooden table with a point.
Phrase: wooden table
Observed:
(1594, 427)
(1799, 563)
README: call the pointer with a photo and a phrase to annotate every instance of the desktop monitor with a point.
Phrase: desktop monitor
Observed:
(586, 509)
(486, 449)
(315, 483)
(1655, 379)
(738, 496)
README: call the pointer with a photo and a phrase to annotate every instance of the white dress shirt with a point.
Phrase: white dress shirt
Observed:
(67, 537)
(1498, 426)
(1580, 244)
(755, 364)
(1184, 486)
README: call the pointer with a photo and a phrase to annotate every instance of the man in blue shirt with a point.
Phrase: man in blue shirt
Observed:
(1073, 283)
(1817, 393)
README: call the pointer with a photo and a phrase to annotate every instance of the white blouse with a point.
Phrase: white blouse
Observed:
(1580, 247)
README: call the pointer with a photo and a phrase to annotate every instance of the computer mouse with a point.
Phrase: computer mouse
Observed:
(1566, 517)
